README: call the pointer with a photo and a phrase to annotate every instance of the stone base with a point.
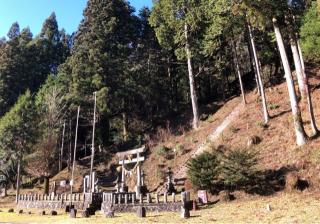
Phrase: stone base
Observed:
(85, 214)
(54, 205)
(153, 207)
(73, 213)
(185, 213)
(110, 214)
(141, 212)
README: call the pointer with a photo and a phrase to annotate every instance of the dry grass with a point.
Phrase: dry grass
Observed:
(285, 208)
(187, 140)
(277, 148)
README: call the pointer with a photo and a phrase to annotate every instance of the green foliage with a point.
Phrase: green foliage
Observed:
(160, 174)
(273, 106)
(169, 19)
(163, 151)
(17, 134)
(43, 157)
(238, 168)
(180, 149)
(25, 62)
(217, 170)
(204, 171)
(310, 34)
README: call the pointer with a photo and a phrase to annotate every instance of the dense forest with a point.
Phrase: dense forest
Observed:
(147, 69)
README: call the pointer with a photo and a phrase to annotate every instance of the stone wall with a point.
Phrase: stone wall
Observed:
(49, 204)
(151, 207)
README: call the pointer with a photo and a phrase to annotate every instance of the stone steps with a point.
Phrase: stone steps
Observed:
(182, 173)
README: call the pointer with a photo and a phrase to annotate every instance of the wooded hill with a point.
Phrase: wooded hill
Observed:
(150, 70)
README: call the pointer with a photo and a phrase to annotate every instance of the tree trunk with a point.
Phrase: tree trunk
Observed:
(301, 57)
(253, 65)
(299, 61)
(298, 67)
(239, 73)
(300, 133)
(125, 126)
(171, 104)
(18, 178)
(264, 101)
(193, 93)
(46, 185)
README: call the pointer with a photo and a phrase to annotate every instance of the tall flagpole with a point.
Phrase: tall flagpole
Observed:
(74, 154)
(93, 136)
(62, 145)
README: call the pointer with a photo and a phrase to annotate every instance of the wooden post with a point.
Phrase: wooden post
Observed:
(62, 144)
(165, 197)
(93, 136)
(74, 154)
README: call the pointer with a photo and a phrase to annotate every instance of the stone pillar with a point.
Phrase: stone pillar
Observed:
(126, 199)
(149, 199)
(133, 199)
(138, 173)
(141, 198)
(185, 213)
(123, 176)
(141, 212)
(93, 182)
(114, 197)
(54, 188)
(185, 196)
(142, 178)
(84, 185)
(119, 199)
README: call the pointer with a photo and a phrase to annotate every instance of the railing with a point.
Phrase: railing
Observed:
(90, 197)
(45, 197)
(130, 198)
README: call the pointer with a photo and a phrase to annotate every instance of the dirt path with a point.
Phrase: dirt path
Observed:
(182, 173)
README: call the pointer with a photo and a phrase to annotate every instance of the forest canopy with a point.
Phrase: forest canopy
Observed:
(153, 68)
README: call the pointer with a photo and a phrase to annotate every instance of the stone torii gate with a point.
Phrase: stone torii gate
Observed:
(123, 161)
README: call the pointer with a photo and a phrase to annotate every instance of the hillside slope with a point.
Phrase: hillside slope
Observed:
(279, 156)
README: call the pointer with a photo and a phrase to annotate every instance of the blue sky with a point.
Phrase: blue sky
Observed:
(32, 13)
